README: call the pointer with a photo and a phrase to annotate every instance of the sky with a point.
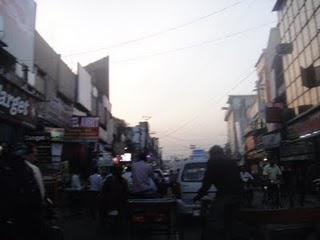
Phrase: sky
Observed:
(175, 61)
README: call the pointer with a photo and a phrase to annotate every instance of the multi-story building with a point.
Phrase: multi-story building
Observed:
(237, 122)
(18, 97)
(299, 24)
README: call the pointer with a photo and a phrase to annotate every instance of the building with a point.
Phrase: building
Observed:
(18, 97)
(237, 122)
(265, 114)
(299, 24)
(56, 81)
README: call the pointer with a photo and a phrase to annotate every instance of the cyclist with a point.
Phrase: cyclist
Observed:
(272, 174)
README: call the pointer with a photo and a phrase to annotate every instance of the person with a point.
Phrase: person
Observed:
(245, 176)
(128, 176)
(143, 178)
(224, 174)
(22, 193)
(114, 195)
(30, 158)
(272, 172)
(76, 182)
(247, 180)
(95, 181)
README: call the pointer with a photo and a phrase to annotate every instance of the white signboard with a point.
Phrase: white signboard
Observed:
(84, 88)
(19, 28)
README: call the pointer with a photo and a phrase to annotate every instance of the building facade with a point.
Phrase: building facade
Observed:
(299, 24)
(237, 122)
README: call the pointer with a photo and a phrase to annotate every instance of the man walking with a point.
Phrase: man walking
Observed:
(224, 174)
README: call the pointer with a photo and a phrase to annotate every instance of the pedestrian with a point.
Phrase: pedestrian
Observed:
(247, 180)
(22, 194)
(143, 178)
(114, 197)
(223, 173)
(95, 181)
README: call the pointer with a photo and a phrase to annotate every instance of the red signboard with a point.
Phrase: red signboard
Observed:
(250, 143)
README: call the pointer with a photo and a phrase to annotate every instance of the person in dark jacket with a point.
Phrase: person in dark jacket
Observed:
(224, 174)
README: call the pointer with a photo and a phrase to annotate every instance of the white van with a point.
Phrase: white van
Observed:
(189, 182)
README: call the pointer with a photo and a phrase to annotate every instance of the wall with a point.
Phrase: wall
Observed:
(19, 28)
(99, 72)
(299, 23)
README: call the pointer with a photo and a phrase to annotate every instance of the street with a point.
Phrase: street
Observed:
(82, 227)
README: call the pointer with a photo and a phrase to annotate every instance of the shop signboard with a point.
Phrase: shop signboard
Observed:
(308, 125)
(296, 151)
(271, 140)
(35, 137)
(16, 105)
(250, 143)
(57, 112)
(56, 134)
(83, 129)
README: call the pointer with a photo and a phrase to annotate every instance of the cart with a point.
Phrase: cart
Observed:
(152, 217)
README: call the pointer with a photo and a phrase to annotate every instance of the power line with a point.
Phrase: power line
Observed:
(231, 35)
(150, 36)
(198, 114)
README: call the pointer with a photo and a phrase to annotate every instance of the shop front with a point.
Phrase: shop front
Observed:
(303, 137)
(81, 143)
(17, 112)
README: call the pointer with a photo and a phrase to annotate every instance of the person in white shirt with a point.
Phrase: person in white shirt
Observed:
(75, 182)
(272, 172)
(245, 175)
(30, 157)
(95, 181)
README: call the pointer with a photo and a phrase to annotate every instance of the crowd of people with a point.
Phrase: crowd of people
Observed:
(23, 193)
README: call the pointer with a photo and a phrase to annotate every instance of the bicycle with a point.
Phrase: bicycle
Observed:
(272, 195)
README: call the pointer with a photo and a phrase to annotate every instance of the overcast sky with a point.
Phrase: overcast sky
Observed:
(188, 57)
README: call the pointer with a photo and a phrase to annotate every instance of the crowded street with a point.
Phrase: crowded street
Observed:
(154, 120)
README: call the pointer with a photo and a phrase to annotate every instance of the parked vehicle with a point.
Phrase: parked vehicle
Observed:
(189, 182)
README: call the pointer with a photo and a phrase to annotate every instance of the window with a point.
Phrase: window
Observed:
(296, 67)
(300, 3)
(289, 95)
(317, 18)
(194, 172)
(309, 8)
(305, 34)
(316, 4)
(312, 27)
(302, 61)
(303, 16)
(308, 55)
(300, 43)
(314, 97)
(307, 98)
(295, 49)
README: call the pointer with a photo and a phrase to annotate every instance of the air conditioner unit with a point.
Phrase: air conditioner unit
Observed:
(284, 48)
(310, 76)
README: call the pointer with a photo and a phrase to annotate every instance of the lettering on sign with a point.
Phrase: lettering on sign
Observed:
(84, 122)
(14, 104)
